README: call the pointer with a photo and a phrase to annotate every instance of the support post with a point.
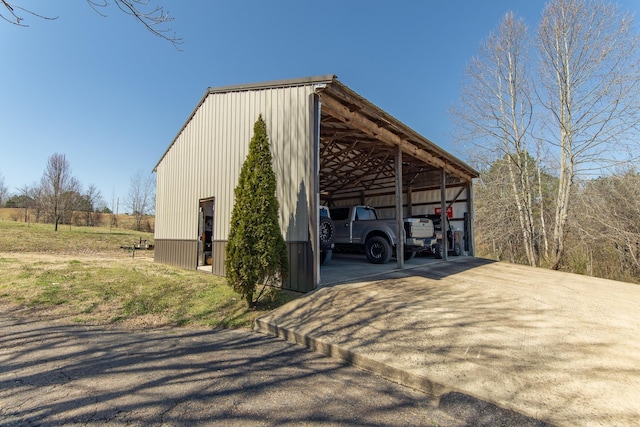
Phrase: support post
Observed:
(443, 214)
(314, 195)
(399, 216)
(472, 214)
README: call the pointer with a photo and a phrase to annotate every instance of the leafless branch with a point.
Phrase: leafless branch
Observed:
(154, 18)
(15, 18)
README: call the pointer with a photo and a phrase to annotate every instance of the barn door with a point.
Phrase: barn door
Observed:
(205, 232)
(201, 235)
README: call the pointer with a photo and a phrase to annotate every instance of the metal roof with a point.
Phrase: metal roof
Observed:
(359, 141)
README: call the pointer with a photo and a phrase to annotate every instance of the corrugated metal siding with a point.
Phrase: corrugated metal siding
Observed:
(219, 249)
(300, 267)
(206, 158)
(423, 202)
(181, 253)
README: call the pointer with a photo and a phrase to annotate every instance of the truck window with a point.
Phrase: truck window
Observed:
(364, 214)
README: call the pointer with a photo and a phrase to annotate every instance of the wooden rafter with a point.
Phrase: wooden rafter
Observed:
(359, 145)
(379, 132)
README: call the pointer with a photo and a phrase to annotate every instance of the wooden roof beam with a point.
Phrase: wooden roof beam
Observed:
(357, 120)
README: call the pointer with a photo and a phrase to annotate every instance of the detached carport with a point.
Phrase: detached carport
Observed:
(329, 146)
(366, 156)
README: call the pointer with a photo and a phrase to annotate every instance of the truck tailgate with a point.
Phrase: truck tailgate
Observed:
(418, 228)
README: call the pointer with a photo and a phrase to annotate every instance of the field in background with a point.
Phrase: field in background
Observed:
(83, 274)
(112, 221)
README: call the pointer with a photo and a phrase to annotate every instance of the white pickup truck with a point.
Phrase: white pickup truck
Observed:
(358, 228)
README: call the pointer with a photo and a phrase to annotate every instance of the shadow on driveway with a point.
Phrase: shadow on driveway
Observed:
(553, 346)
(58, 374)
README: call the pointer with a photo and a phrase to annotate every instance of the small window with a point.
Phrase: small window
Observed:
(365, 213)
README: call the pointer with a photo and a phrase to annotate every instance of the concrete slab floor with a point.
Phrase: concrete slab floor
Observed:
(556, 347)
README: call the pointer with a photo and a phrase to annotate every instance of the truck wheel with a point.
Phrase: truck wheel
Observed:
(378, 250)
(437, 251)
(327, 232)
(456, 249)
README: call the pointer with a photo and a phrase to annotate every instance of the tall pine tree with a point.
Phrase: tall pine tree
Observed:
(256, 252)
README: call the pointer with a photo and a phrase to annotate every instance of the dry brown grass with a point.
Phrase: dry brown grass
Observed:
(122, 221)
(82, 274)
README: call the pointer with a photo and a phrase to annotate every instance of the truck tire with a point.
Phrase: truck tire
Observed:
(327, 232)
(378, 250)
(437, 251)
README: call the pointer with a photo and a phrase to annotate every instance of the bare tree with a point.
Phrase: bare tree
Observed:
(95, 203)
(4, 191)
(497, 231)
(588, 100)
(607, 225)
(141, 196)
(89, 205)
(72, 199)
(591, 76)
(30, 198)
(495, 114)
(152, 17)
(59, 189)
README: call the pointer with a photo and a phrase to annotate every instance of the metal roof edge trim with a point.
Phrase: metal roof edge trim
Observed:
(328, 78)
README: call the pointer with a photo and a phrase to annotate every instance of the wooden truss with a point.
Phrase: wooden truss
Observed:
(359, 145)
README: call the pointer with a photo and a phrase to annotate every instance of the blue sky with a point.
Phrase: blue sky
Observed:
(111, 97)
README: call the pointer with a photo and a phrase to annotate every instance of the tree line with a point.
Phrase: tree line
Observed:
(59, 198)
(552, 121)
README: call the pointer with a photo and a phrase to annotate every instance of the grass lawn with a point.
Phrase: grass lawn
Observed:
(80, 273)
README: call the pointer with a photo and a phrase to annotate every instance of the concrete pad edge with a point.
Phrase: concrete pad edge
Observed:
(418, 382)
(442, 396)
